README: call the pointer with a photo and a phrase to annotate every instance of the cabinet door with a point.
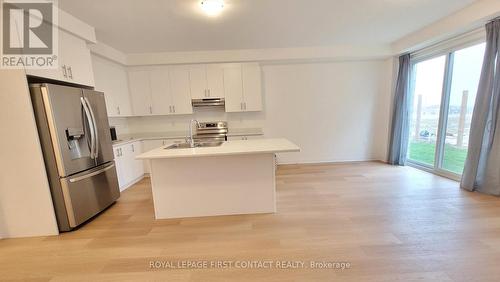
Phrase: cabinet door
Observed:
(120, 167)
(198, 81)
(137, 165)
(252, 87)
(111, 78)
(215, 81)
(55, 73)
(233, 88)
(180, 90)
(128, 163)
(75, 55)
(140, 92)
(161, 99)
(103, 83)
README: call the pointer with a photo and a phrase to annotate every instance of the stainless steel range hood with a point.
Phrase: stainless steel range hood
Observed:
(208, 102)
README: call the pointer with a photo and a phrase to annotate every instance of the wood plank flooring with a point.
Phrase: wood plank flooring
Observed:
(389, 223)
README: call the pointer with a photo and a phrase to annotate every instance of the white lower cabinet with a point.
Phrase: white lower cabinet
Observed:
(128, 169)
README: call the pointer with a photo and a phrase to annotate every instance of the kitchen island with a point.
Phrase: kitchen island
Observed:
(237, 177)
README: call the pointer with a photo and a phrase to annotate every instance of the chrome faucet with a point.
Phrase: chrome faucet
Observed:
(191, 139)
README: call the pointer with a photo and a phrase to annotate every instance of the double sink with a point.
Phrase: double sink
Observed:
(196, 145)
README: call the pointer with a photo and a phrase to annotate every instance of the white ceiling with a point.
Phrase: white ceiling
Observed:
(134, 26)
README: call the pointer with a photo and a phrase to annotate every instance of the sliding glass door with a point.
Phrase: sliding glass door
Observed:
(443, 90)
(424, 122)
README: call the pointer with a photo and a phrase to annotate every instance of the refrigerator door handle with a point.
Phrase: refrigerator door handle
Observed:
(96, 141)
(94, 173)
(91, 126)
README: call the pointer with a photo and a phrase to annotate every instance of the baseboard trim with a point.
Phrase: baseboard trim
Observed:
(332, 162)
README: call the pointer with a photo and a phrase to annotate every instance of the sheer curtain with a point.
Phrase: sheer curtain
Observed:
(398, 146)
(482, 167)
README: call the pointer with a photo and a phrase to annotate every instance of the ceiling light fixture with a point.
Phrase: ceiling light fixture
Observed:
(212, 7)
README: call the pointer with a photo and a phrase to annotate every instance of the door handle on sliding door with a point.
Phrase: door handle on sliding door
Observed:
(96, 141)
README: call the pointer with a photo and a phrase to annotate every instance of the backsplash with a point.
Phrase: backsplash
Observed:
(146, 124)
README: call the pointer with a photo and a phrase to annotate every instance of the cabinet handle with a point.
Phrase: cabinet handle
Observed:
(241, 106)
(173, 108)
(133, 149)
(245, 106)
(150, 109)
(169, 109)
(65, 72)
(118, 109)
(70, 72)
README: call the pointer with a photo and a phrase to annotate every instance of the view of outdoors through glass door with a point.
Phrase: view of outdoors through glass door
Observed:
(424, 121)
(444, 85)
(467, 64)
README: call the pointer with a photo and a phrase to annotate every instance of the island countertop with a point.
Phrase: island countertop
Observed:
(237, 147)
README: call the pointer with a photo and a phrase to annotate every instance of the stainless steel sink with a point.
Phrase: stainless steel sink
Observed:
(196, 145)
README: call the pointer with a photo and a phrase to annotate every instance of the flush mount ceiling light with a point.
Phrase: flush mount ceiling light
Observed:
(212, 7)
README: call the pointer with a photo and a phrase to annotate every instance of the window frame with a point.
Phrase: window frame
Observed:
(447, 49)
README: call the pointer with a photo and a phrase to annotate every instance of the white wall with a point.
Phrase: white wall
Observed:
(471, 17)
(335, 111)
(25, 202)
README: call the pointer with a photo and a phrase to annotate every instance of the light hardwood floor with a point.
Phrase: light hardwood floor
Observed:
(389, 223)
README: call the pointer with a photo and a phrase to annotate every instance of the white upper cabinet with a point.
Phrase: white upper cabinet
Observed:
(140, 92)
(252, 87)
(206, 81)
(111, 78)
(168, 90)
(161, 97)
(75, 65)
(243, 87)
(198, 81)
(215, 81)
(233, 88)
(180, 91)
(160, 91)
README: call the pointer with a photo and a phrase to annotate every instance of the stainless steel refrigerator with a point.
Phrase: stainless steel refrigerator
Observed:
(76, 143)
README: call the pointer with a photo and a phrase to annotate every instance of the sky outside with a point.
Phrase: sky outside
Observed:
(466, 72)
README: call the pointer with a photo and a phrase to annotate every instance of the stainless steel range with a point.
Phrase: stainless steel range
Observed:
(211, 131)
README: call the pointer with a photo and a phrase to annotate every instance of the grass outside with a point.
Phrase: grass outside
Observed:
(454, 158)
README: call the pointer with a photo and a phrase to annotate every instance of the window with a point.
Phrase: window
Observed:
(443, 89)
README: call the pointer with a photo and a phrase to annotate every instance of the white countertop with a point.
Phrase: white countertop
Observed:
(237, 147)
(129, 138)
